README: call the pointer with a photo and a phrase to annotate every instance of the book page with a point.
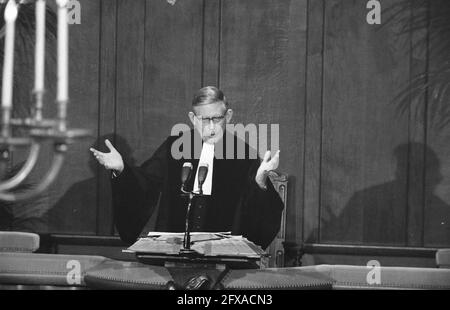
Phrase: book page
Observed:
(205, 243)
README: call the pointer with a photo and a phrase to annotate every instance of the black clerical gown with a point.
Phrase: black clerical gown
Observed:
(236, 204)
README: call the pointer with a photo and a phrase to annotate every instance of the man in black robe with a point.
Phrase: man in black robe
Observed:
(242, 200)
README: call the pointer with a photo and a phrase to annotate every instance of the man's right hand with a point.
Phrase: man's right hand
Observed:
(112, 160)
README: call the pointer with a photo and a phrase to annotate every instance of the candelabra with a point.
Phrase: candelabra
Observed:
(36, 129)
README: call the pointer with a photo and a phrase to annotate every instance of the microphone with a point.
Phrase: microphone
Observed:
(202, 172)
(186, 172)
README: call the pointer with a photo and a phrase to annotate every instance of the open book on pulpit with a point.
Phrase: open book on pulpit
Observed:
(208, 246)
(204, 243)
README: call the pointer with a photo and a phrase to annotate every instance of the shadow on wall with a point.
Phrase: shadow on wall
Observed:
(378, 215)
(80, 201)
(23, 215)
(74, 210)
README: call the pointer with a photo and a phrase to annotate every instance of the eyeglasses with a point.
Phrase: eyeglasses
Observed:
(207, 120)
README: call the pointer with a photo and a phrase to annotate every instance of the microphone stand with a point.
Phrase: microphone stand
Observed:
(187, 230)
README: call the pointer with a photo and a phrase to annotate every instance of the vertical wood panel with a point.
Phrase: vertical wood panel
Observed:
(130, 71)
(107, 107)
(417, 147)
(262, 72)
(211, 42)
(74, 195)
(173, 70)
(437, 157)
(363, 189)
(29, 215)
(313, 131)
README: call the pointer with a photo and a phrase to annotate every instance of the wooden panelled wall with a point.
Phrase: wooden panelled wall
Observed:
(360, 172)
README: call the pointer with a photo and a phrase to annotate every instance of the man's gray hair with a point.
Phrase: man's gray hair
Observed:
(208, 95)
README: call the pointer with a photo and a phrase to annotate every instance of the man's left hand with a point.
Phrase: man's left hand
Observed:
(267, 165)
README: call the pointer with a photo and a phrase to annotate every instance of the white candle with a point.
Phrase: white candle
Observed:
(8, 61)
(63, 52)
(39, 60)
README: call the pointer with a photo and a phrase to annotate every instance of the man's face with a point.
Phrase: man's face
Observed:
(210, 120)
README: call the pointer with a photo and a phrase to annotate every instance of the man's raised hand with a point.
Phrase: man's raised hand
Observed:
(112, 160)
(267, 164)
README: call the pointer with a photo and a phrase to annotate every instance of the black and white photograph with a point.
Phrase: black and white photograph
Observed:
(244, 147)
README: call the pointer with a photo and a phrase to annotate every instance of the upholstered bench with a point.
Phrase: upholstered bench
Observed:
(26, 270)
(295, 278)
(338, 277)
(12, 241)
(443, 258)
(356, 277)
(112, 274)
(45, 270)
(133, 275)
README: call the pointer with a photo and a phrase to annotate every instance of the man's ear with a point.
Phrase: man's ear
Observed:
(192, 117)
(228, 115)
